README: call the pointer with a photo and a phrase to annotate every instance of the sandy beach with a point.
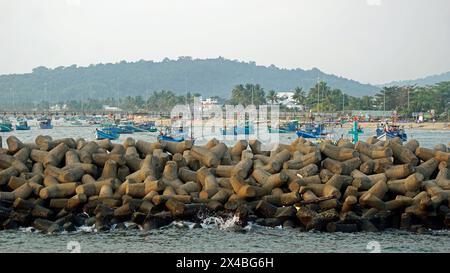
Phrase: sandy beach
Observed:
(409, 125)
(372, 125)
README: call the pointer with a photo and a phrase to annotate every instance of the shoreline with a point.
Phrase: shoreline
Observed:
(407, 125)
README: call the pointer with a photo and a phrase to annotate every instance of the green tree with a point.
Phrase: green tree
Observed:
(248, 94)
(299, 96)
(272, 96)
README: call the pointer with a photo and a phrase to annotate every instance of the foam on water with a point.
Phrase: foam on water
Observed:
(87, 229)
(28, 229)
(219, 222)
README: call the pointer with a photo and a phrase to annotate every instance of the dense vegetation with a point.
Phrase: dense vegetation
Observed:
(405, 100)
(208, 77)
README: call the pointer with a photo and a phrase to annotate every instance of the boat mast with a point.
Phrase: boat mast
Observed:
(384, 104)
(188, 104)
(318, 94)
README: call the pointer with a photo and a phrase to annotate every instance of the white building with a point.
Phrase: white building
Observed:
(286, 99)
(58, 107)
(208, 103)
(111, 108)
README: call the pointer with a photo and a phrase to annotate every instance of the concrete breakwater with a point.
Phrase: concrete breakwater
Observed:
(58, 184)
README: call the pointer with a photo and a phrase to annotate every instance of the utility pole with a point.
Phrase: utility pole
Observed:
(408, 98)
(318, 94)
(408, 102)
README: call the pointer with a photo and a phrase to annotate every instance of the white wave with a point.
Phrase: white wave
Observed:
(87, 228)
(219, 222)
(28, 229)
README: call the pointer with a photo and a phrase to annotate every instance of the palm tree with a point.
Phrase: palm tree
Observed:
(248, 94)
(272, 96)
(299, 96)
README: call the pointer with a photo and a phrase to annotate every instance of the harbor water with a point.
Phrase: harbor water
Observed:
(217, 234)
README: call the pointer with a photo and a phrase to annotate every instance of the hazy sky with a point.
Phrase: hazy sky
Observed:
(371, 41)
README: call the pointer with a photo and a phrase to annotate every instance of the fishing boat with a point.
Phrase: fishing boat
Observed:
(278, 130)
(5, 125)
(148, 127)
(390, 131)
(174, 135)
(22, 125)
(125, 129)
(286, 128)
(128, 127)
(106, 134)
(46, 124)
(238, 130)
(171, 138)
(312, 130)
(118, 129)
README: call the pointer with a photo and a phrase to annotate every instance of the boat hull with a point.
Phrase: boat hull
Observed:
(307, 134)
(381, 135)
(4, 128)
(387, 136)
(22, 127)
(238, 131)
(279, 131)
(46, 126)
(171, 139)
(106, 135)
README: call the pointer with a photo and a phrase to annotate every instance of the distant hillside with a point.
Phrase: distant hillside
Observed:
(206, 76)
(430, 80)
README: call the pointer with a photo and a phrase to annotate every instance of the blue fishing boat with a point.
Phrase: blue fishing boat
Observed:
(173, 135)
(312, 130)
(286, 128)
(22, 125)
(291, 126)
(390, 131)
(171, 138)
(278, 131)
(128, 127)
(5, 126)
(125, 129)
(46, 124)
(106, 134)
(238, 130)
(147, 126)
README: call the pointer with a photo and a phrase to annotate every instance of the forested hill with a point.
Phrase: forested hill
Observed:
(429, 80)
(208, 77)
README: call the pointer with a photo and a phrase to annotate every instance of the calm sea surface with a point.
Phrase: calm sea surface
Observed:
(217, 234)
